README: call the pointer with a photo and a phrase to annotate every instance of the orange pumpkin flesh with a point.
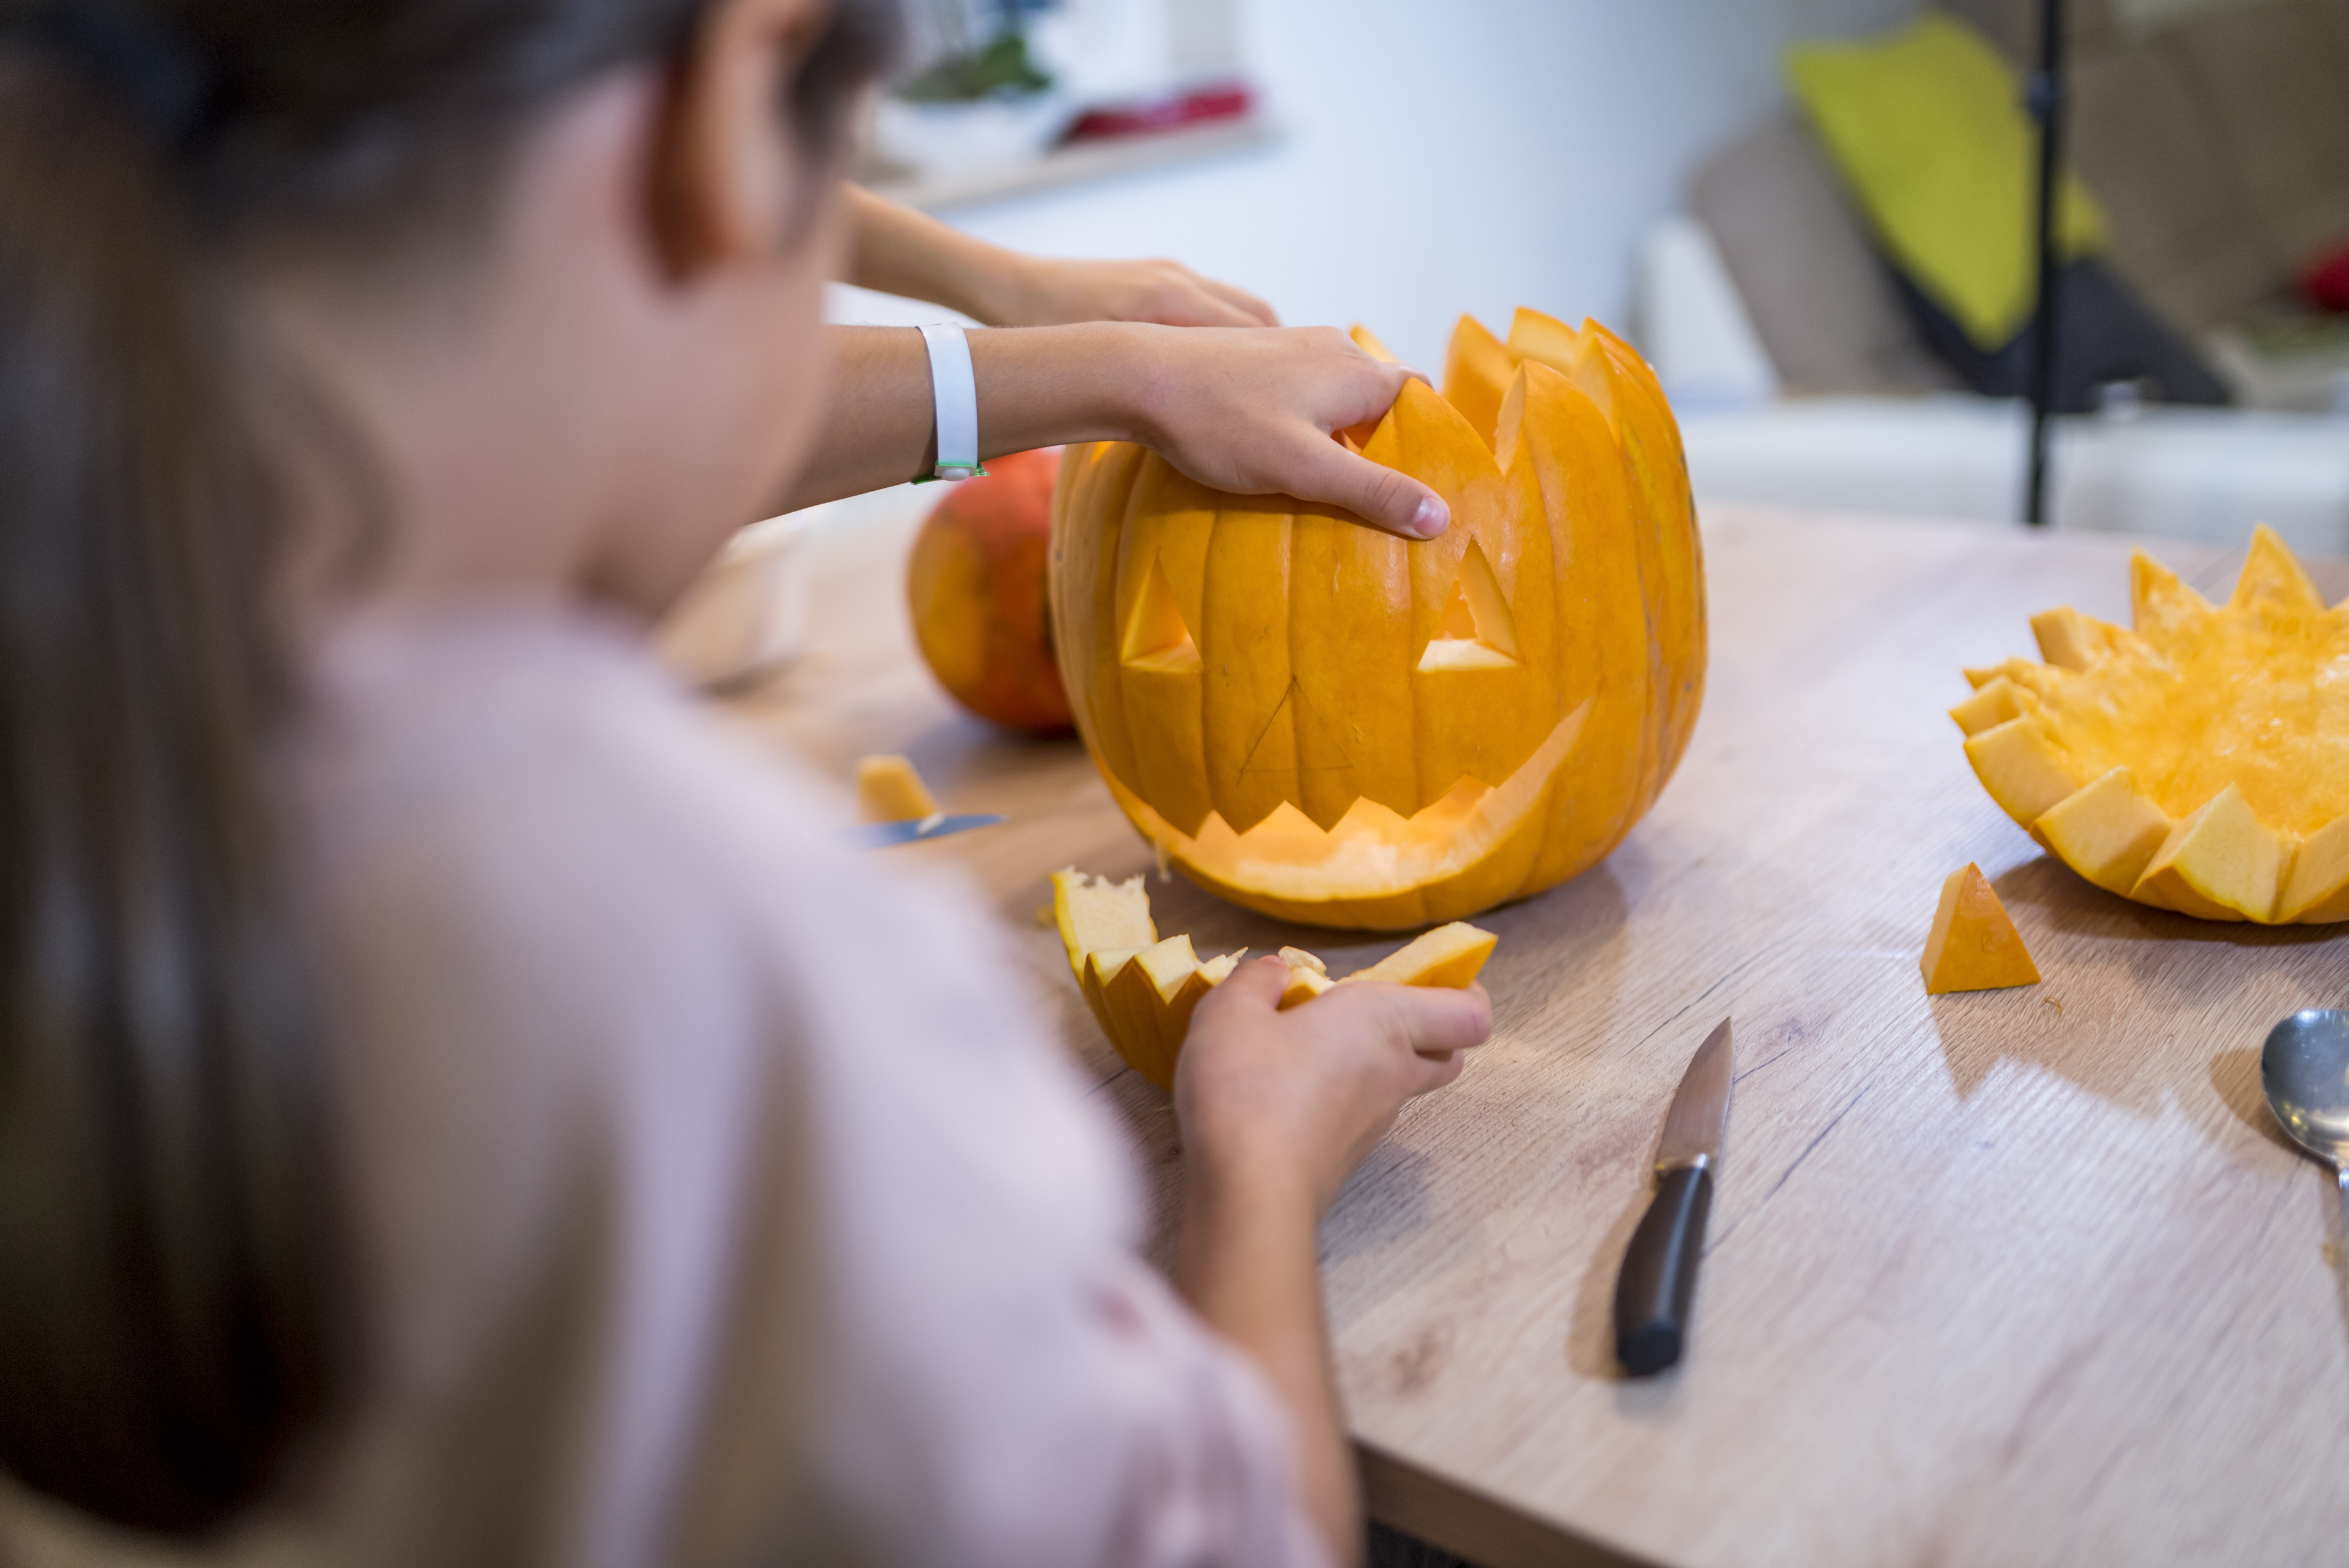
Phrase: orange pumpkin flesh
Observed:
(889, 790)
(2196, 762)
(975, 587)
(1143, 990)
(1337, 726)
(1973, 945)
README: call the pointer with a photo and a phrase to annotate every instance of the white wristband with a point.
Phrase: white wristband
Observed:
(955, 387)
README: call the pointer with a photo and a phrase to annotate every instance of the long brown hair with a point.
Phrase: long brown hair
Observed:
(174, 1314)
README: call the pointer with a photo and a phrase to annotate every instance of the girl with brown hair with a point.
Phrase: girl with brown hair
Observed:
(456, 1104)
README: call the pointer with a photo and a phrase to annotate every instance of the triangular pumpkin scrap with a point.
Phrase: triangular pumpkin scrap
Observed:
(1974, 945)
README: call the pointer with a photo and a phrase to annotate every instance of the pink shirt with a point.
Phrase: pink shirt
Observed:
(719, 1204)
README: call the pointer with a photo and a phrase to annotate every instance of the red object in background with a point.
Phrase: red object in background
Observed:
(976, 586)
(1144, 116)
(2326, 282)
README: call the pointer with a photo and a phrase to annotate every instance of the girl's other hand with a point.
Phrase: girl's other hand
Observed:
(1055, 294)
(1276, 1109)
(1255, 413)
(1294, 1102)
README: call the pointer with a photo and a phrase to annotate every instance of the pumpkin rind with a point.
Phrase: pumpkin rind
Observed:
(2197, 760)
(975, 587)
(1973, 945)
(1143, 991)
(1315, 760)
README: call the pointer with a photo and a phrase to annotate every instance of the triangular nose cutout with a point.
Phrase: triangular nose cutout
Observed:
(1156, 637)
(1477, 632)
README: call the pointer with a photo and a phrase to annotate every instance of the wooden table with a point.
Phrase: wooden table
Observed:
(2016, 1278)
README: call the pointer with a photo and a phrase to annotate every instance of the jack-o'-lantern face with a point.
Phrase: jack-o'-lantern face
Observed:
(1331, 725)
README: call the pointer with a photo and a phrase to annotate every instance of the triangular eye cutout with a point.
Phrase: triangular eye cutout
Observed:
(1156, 637)
(1478, 632)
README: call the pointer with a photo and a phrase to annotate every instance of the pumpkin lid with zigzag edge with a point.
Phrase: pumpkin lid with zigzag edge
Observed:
(2198, 761)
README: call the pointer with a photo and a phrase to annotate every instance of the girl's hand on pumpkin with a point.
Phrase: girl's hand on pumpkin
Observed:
(1252, 411)
(1042, 293)
(1256, 413)
(1274, 1097)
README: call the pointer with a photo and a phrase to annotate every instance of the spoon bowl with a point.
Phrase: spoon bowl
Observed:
(2304, 1070)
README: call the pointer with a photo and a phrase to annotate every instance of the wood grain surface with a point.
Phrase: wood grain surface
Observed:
(2015, 1277)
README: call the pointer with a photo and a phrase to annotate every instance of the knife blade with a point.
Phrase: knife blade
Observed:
(1659, 1279)
(916, 829)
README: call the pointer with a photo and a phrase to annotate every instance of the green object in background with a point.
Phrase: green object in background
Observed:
(1928, 126)
(1003, 69)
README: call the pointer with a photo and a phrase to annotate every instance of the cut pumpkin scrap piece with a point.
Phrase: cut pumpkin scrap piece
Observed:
(1143, 990)
(1449, 955)
(2217, 733)
(889, 790)
(1097, 916)
(1973, 945)
(1096, 912)
(1308, 977)
(1149, 995)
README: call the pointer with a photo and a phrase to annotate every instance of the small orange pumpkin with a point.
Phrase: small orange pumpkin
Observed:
(976, 586)
(1331, 725)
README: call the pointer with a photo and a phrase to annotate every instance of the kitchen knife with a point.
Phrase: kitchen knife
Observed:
(1659, 1277)
(915, 829)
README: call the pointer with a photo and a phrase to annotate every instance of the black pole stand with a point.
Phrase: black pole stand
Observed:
(2047, 110)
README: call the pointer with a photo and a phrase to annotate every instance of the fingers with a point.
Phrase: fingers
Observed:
(1429, 1074)
(1209, 308)
(1175, 296)
(1379, 496)
(1255, 311)
(1256, 983)
(1440, 1022)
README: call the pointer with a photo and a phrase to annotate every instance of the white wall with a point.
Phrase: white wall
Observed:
(1449, 155)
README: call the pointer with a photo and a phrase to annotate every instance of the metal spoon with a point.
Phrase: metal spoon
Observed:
(2305, 1070)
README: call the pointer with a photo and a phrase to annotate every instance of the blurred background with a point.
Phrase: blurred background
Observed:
(1812, 215)
(1404, 161)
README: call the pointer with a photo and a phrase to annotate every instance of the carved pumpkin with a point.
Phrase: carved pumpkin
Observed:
(1334, 726)
(2196, 763)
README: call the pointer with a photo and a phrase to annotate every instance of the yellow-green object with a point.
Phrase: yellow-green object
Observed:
(1929, 129)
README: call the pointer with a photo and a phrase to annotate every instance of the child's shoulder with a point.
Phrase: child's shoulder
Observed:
(476, 708)
(522, 827)
(532, 768)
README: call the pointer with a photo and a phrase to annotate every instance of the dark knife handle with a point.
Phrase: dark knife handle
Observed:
(1659, 1277)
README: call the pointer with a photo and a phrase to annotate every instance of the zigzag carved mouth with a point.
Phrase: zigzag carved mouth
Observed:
(1374, 849)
